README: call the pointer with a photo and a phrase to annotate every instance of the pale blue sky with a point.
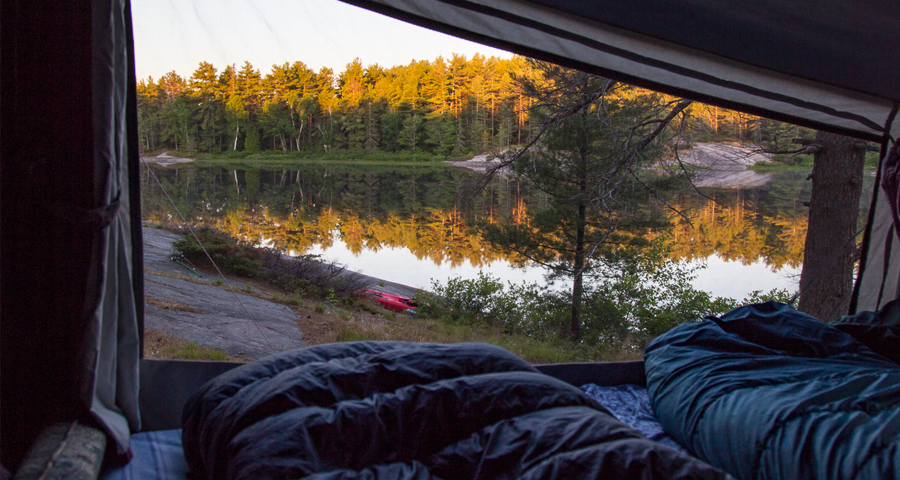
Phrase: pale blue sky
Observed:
(179, 34)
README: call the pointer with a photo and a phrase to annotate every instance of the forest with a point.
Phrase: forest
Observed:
(590, 145)
(444, 107)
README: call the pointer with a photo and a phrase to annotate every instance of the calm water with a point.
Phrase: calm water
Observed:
(409, 225)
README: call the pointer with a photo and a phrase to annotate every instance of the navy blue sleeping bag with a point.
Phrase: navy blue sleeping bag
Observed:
(768, 392)
(397, 410)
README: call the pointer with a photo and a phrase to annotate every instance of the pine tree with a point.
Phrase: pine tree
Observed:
(589, 158)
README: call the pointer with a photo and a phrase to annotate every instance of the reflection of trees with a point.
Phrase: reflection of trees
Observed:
(421, 210)
(367, 209)
(768, 223)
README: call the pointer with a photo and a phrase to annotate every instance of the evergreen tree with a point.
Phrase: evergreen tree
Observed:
(440, 135)
(179, 122)
(251, 141)
(590, 159)
(409, 136)
(373, 134)
(391, 128)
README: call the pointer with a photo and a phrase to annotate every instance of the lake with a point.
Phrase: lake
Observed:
(409, 224)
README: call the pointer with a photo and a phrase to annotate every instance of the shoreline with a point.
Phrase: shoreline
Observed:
(164, 159)
(230, 314)
(481, 163)
(724, 165)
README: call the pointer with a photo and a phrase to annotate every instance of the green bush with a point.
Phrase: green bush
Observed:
(478, 301)
(227, 252)
(635, 297)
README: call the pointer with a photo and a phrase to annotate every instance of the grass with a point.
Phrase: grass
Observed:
(351, 328)
(192, 351)
(769, 167)
(361, 321)
(803, 163)
(160, 345)
(246, 164)
(335, 157)
(166, 305)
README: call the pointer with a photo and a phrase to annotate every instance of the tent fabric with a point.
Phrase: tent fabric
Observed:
(724, 53)
(69, 334)
(812, 37)
(112, 350)
(891, 183)
(69, 328)
(880, 272)
(878, 281)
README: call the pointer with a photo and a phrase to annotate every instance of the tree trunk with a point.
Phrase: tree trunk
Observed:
(826, 282)
(578, 266)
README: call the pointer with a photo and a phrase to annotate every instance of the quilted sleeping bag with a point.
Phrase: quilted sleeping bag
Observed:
(399, 410)
(767, 392)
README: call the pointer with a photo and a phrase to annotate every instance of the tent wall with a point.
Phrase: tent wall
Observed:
(879, 283)
(740, 69)
(47, 163)
(69, 326)
(112, 347)
(821, 40)
(879, 273)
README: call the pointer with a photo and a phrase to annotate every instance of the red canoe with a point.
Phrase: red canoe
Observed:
(395, 303)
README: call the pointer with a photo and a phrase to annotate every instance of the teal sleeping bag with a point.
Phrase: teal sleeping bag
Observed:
(767, 392)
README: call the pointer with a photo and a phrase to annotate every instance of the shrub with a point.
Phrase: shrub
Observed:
(634, 297)
(305, 274)
(475, 301)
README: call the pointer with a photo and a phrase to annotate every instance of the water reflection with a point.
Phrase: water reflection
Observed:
(746, 225)
(400, 265)
(415, 220)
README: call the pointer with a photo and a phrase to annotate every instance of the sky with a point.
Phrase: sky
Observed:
(179, 34)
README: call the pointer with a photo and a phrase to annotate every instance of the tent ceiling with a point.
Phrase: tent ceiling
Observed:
(845, 44)
(825, 64)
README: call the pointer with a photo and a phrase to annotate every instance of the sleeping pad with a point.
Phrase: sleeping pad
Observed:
(403, 410)
(765, 391)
